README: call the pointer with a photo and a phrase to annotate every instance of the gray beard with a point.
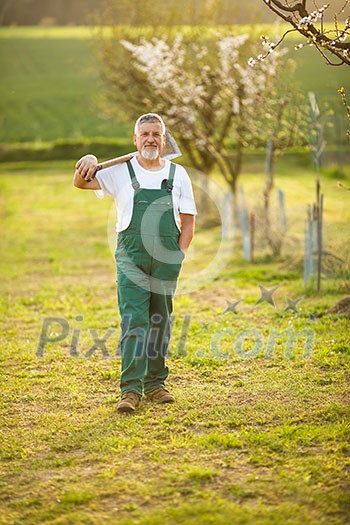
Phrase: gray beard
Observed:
(150, 154)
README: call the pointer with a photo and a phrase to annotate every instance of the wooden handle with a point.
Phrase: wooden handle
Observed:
(111, 162)
(114, 162)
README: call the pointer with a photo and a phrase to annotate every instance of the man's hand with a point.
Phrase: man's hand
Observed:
(85, 170)
(86, 166)
(187, 231)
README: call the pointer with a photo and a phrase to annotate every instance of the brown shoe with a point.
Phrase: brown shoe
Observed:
(128, 402)
(160, 395)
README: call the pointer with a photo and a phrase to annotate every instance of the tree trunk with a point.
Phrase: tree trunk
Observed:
(273, 241)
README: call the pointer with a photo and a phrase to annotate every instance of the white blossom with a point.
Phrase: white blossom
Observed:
(229, 51)
(313, 17)
(342, 36)
(235, 105)
(185, 91)
(304, 22)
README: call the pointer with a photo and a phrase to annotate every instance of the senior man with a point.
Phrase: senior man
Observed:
(156, 215)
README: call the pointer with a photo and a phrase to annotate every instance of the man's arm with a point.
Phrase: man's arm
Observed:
(187, 231)
(84, 169)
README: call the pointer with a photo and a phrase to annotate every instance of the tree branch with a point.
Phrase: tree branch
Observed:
(300, 7)
(303, 22)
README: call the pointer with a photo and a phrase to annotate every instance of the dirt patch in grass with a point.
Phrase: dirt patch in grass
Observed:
(341, 308)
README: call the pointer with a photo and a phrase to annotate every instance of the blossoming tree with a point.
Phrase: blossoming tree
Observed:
(209, 95)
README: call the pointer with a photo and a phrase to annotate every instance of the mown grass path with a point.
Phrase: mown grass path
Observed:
(255, 437)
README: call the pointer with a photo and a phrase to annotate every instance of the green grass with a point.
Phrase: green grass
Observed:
(50, 84)
(252, 439)
(48, 91)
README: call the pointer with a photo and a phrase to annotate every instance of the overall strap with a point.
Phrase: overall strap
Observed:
(171, 177)
(135, 183)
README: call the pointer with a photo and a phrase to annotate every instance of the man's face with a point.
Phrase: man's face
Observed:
(150, 141)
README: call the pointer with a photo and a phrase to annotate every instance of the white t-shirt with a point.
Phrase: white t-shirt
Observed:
(115, 182)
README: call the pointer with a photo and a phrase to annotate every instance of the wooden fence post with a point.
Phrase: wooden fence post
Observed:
(252, 234)
(244, 223)
(313, 242)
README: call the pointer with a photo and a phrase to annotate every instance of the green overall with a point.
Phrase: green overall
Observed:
(148, 260)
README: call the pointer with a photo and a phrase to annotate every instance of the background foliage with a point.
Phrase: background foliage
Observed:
(158, 12)
(50, 85)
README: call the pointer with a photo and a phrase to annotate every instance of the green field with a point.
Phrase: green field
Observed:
(48, 90)
(258, 436)
(50, 85)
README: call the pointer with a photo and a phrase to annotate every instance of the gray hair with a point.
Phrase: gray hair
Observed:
(149, 117)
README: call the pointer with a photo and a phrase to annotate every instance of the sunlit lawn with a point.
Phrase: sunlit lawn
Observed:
(258, 435)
